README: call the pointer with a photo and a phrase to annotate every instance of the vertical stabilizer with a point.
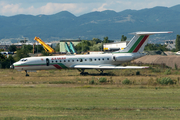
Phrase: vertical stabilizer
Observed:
(138, 42)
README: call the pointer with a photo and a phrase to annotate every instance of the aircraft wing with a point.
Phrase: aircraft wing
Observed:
(108, 67)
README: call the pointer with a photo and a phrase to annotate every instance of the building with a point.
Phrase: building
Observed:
(67, 46)
(171, 44)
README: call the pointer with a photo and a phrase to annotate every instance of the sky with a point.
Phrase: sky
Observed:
(76, 7)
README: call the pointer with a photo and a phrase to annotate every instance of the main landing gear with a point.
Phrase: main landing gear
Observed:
(26, 73)
(86, 73)
(82, 72)
(101, 71)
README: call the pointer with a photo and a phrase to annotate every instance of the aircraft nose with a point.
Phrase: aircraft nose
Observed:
(12, 66)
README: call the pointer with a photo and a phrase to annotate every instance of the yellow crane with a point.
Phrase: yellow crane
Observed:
(46, 47)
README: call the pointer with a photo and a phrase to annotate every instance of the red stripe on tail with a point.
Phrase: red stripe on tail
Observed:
(141, 43)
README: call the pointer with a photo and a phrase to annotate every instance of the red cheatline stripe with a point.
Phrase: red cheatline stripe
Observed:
(57, 66)
(141, 43)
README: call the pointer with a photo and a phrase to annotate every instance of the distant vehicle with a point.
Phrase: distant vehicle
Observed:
(99, 62)
(178, 53)
(46, 47)
(7, 53)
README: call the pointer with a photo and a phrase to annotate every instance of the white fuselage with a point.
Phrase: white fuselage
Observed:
(69, 61)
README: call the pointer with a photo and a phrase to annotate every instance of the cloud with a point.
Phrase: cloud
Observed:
(101, 8)
(79, 7)
(49, 8)
(9, 9)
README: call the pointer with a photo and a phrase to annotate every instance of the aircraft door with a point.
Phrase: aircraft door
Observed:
(47, 62)
(114, 58)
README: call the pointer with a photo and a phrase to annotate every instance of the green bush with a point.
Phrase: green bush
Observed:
(167, 72)
(165, 81)
(176, 67)
(138, 73)
(102, 80)
(91, 82)
(156, 70)
(126, 82)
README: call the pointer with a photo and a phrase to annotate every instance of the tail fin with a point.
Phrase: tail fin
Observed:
(139, 41)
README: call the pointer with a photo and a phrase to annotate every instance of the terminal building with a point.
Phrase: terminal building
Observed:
(67, 46)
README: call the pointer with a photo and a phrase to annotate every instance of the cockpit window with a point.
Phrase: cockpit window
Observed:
(23, 60)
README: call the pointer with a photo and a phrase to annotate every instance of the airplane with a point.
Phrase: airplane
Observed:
(100, 62)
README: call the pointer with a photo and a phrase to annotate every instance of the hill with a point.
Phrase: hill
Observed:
(65, 25)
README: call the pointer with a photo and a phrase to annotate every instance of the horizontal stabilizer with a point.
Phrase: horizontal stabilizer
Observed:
(150, 33)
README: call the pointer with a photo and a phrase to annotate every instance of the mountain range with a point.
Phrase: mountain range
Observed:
(65, 25)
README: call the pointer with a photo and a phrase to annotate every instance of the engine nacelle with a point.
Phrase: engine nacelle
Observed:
(122, 58)
(126, 57)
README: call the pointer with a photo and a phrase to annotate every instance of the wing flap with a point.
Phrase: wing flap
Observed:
(108, 67)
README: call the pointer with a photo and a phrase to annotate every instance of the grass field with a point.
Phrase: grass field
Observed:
(67, 95)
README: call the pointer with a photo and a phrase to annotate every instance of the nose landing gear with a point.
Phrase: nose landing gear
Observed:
(26, 73)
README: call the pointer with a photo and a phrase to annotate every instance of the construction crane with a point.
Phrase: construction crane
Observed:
(46, 47)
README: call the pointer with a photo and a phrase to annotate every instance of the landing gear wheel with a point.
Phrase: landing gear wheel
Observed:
(84, 73)
(101, 71)
(26, 73)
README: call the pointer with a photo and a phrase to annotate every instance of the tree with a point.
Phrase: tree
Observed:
(21, 54)
(83, 46)
(57, 47)
(106, 40)
(12, 48)
(28, 48)
(96, 41)
(45, 53)
(160, 47)
(123, 38)
(38, 49)
(178, 43)
(96, 47)
(6, 62)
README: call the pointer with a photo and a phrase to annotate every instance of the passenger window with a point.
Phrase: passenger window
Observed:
(68, 60)
(52, 61)
(72, 60)
(60, 61)
(90, 59)
(64, 60)
(56, 61)
(77, 60)
(85, 59)
(81, 60)
(102, 58)
(107, 58)
(94, 59)
(99, 59)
